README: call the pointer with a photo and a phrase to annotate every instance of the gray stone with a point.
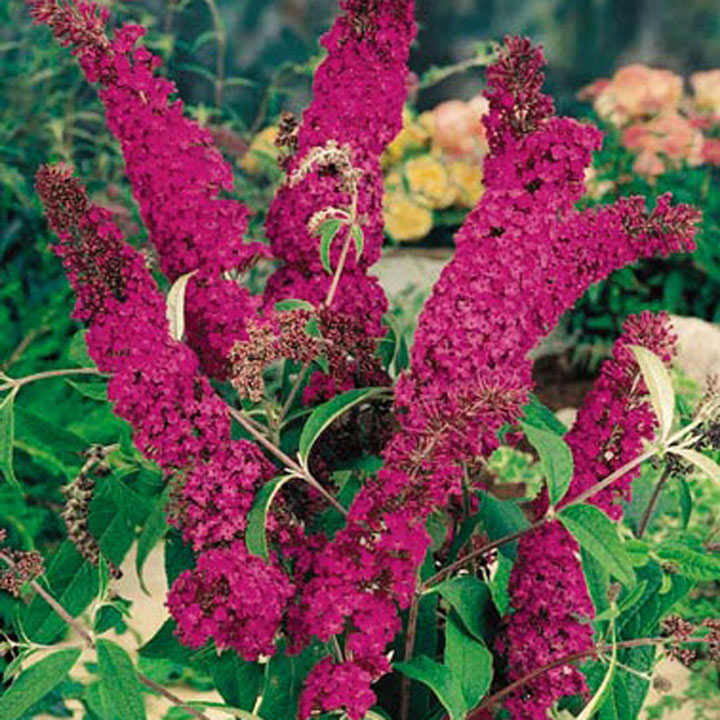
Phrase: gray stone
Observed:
(698, 347)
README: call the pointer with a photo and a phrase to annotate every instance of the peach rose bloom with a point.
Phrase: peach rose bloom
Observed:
(706, 86)
(637, 91)
(458, 129)
(711, 151)
(669, 135)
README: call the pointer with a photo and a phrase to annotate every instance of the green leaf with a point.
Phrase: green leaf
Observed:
(238, 681)
(48, 442)
(284, 679)
(119, 686)
(690, 563)
(175, 310)
(153, 531)
(359, 239)
(598, 535)
(469, 597)
(328, 231)
(597, 580)
(36, 682)
(686, 502)
(659, 385)
(392, 348)
(7, 437)
(178, 556)
(255, 534)
(499, 584)
(556, 459)
(94, 391)
(501, 518)
(164, 644)
(72, 579)
(440, 680)
(325, 414)
(702, 462)
(293, 304)
(590, 709)
(643, 618)
(625, 603)
(77, 350)
(539, 416)
(469, 661)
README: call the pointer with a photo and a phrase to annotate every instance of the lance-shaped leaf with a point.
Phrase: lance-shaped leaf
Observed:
(693, 564)
(469, 660)
(175, 309)
(700, 461)
(540, 416)
(36, 682)
(7, 436)
(293, 304)
(119, 686)
(325, 414)
(556, 459)
(440, 680)
(359, 240)
(255, 533)
(596, 533)
(659, 385)
(328, 231)
(468, 596)
(591, 708)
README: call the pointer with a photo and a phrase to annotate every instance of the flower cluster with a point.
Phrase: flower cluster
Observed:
(358, 95)
(211, 503)
(178, 421)
(523, 256)
(176, 174)
(234, 598)
(78, 495)
(659, 124)
(435, 162)
(17, 567)
(551, 606)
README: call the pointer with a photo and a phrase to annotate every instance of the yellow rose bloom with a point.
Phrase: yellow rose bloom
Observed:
(467, 178)
(261, 147)
(405, 220)
(413, 136)
(429, 182)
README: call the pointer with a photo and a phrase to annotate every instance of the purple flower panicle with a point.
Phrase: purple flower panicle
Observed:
(523, 257)
(177, 175)
(552, 609)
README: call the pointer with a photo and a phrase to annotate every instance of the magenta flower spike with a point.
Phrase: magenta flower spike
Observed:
(551, 605)
(176, 173)
(523, 257)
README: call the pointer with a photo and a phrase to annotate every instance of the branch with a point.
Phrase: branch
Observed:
(19, 382)
(297, 469)
(409, 645)
(484, 550)
(551, 514)
(87, 638)
(647, 514)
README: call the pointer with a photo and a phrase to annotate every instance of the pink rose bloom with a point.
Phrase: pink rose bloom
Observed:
(458, 129)
(636, 91)
(591, 91)
(669, 135)
(711, 151)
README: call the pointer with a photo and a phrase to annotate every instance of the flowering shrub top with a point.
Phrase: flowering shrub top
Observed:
(277, 552)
